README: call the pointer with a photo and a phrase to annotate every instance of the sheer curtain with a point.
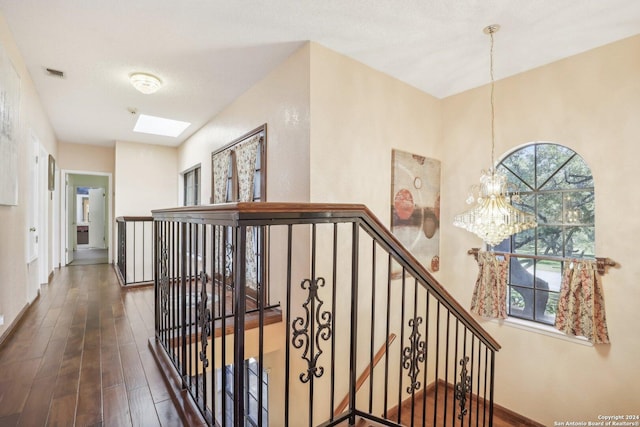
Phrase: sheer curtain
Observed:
(490, 293)
(581, 303)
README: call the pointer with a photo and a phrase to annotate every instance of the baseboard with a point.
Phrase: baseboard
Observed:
(122, 282)
(16, 322)
(189, 413)
(501, 412)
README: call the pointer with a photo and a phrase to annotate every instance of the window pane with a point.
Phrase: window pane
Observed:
(525, 202)
(521, 302)
(580, 242)
(579, 207)
(550, 158)
(520, 163)
(548, 306)
(257, 185)
(574, 175)
(525, 242)
(550, 240)
(514, 183)
(550, 208)
(521, 272)
(549, 273)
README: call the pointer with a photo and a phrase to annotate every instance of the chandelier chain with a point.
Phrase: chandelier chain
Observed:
(493, 132)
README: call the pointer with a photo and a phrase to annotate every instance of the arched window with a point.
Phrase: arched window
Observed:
(556, 185)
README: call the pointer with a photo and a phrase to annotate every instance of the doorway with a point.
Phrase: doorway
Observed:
(87, 218)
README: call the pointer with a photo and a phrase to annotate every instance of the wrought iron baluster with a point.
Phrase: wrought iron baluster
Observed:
(463, 387)
(414, 354)
(302, 333)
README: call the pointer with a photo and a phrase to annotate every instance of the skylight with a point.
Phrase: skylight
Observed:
(160, 126)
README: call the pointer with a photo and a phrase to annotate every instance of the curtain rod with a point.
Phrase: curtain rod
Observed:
(601, 263)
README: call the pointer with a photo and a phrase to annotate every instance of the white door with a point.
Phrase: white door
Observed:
(43, 235)
(96, 218)
(69, 221)
(33, 228)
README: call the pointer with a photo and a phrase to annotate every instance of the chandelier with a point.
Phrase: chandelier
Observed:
(493, 218)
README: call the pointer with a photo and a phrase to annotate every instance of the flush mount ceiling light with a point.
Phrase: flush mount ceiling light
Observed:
(159, 126)
(145, 82)
(493, 218)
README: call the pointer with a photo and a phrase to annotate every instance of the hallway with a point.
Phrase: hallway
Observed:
(80, 357)
(89, 256)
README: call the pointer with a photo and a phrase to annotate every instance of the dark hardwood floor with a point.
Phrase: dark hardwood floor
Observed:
(80, 357)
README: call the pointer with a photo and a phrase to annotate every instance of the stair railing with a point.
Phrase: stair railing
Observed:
(342, 282)
(134, 264)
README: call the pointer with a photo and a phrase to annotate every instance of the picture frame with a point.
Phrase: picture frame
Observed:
(415, 205)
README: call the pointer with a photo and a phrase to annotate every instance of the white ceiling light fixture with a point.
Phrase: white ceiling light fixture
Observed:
(145, 82)
(493, 218)
(160, 126)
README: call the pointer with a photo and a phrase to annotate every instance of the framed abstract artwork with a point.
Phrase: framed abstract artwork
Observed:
(415, 206)
(9, 107)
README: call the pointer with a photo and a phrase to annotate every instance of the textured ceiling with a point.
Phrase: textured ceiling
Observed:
(208, 52)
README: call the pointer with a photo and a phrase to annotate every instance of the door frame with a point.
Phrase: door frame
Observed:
(66, 211)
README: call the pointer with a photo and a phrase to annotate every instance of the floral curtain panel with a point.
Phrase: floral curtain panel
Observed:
(220, 174)
(581, 304)
(246, 154)
(490, 293)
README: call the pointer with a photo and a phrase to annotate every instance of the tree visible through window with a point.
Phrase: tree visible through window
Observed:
(556, 185)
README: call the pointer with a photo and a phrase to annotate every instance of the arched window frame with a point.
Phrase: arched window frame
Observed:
(556, 185)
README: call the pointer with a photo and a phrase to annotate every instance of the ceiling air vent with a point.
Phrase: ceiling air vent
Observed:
(55, 73)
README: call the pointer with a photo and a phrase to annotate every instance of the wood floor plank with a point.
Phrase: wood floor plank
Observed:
(168, 414)
(143, 411)
(155, 380)
(116, 407)
(63, 411)
(132, 367)
(35, 413)
(75, 353)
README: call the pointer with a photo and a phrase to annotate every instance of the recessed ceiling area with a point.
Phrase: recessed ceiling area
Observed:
(207, 53)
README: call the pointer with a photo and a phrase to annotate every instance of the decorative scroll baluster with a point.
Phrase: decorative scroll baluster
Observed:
(414, 354)
(463, 387)
(163, 280)
(303, 329)
(203, 316)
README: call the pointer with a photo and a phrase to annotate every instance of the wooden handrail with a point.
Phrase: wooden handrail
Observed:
(134, 218)
(365, 374)
(253, 213)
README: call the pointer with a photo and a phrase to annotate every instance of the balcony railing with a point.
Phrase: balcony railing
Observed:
(135, 250)
(228, 275)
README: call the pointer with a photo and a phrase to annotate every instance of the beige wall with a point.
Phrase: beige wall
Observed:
(19, 281)
(146, 178)
(357, 116)
(86, 158)
(591, 104)
(281, 100)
